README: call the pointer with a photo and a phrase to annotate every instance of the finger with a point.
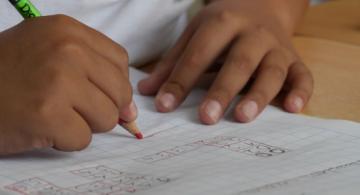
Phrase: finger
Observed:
(72, 133)
(109, 49)
(301, 88)
(97, 41)
(101, 72)
(113, 83)
(129, 113)
(204, 47)
(12, 142)
(151, 85)
(95, 107)
(270, 79)
(240, 64)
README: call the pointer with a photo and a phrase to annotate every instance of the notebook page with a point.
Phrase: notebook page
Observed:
(278, 153)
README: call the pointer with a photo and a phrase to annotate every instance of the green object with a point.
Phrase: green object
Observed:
(26, 8)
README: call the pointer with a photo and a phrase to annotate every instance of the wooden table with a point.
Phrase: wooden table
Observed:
(329, 43)
(336, 20)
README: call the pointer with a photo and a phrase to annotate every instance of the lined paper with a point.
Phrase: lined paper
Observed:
(279, 153)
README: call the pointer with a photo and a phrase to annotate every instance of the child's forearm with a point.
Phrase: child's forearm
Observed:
(289, 12)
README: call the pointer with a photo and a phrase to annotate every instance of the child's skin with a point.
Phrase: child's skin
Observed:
(255, 37)
(58, 86)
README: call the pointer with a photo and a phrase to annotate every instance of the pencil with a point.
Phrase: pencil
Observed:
(25, 8)
(28, 10)
(132, 128)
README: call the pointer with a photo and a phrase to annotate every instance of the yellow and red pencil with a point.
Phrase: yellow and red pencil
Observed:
(132, 128)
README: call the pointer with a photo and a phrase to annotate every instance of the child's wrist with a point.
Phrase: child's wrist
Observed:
(289, 13)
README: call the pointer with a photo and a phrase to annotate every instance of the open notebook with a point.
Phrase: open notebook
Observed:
(279, 153)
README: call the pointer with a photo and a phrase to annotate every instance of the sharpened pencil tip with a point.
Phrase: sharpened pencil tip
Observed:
(139, 136)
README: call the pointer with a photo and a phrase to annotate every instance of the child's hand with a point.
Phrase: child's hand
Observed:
(60, 81)
(255, 39)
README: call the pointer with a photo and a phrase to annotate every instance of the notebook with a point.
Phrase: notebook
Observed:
(279, 153)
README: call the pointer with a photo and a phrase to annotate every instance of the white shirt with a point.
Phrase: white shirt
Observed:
(144, 27)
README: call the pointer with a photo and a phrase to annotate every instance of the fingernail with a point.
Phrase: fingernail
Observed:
(167, 100)
(213, 109)
(298, 103)
(38, 144)
(250, 110)
(146, 80)
(129, 113)
(42, 143)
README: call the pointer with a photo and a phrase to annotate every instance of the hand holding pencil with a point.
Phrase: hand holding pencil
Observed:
(129, 115)
(28, 10)
(61, 81)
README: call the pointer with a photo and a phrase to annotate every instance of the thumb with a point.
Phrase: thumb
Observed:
(128, 113)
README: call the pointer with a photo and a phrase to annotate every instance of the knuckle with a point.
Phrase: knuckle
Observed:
(122, 59)
(288, 55)
(226, 16)
(47, 98)
(241, 64)
(260, 30)
(222, 94)
(261, 97)
(123, 53)
(264, 35)
(67, 46)
(276, 71)
(282, 56)
(193, 60)
(176, 87)
(61, 19)
(54, 79)
(44, 110)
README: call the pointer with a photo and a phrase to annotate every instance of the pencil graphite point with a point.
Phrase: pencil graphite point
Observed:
(131, 128)
(139, 136)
